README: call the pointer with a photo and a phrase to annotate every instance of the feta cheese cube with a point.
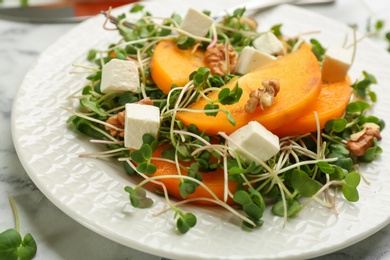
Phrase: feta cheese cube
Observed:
(140, 120)
(250, 59)
(119, 75)
(268, 43)
(336, 64)
(256, 140)
(196, 23)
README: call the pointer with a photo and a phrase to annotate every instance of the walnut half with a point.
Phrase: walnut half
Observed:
(263, 97)
(221, 59)
(364, 139)
(119, 121)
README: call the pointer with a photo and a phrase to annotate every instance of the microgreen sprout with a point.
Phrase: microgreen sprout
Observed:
(12, 246)
(362, 88)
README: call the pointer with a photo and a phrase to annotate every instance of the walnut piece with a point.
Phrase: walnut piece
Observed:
(146, 101)
(263, 97)
(364, 139)
(118, 120)
(221, 59)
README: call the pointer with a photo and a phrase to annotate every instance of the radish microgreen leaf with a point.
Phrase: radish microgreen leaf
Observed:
(138, 197)
(229, 97)
(349, 189)
(362, 87)
(357, 107)
(143, 158)
(185, 42)
(303, 184)
(185, 222)
(12, 246)
(293, 206)
(252, 203)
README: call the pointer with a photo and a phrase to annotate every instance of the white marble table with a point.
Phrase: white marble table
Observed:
(57, 235)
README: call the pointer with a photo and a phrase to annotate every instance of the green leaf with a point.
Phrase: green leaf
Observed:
(371, 153)
(349, 189)
(293, 206)
(236, 170)
(317, 49)
(129, 170)
(302, 183)
(229, 97)
(326, 167)
(127, 97)
(338, 149)
(28, 248)
(185, 42)
(211, 107)
(184, 152)
(91, 54)
(231, 119)
(187, 187)
(216, 81)
(252, 203)
(147, 168)
(143, 154)
(168, 153)
(86, 90)
(10, 240)
(339, 173)
(353, 179)
(336, 125)
(242, 197)
(85, 127)
(276, 29)
(93, 106)
(344, 163)
(350, 193)
(185, 222)
(362, 87)
(138, 197)
(150, 140)
(379, 25)
(120, 54)
(357, 107)
(177, 18)
(200, 76)
(137, 8)
(339, 125)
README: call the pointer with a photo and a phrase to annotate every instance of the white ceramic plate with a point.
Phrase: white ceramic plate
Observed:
(91, 191)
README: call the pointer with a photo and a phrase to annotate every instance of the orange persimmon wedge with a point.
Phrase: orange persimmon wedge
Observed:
(171, 65)
(299, 76)
(213, 180)
(331, 104)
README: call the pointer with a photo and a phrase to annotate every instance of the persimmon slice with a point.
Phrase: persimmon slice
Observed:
(171, 65)
(330, 104)
(299, 76)
(213, 180)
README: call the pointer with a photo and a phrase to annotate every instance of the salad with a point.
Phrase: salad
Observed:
(241, 123)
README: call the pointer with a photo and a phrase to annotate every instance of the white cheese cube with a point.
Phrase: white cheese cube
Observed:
(336, 64)
(250, 59)
(256, 140)
(196, 23)
(140, 120)
(119, 75)
(269, 43)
